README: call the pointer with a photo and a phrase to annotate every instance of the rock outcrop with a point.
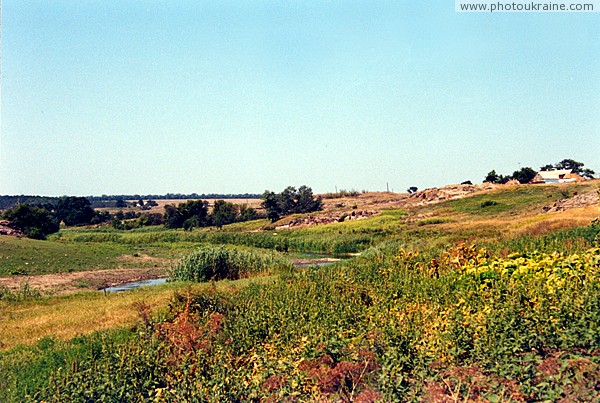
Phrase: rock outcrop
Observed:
(6, 229)
(582, 200)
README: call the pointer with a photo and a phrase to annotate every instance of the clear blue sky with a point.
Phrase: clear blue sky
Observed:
(109, 97)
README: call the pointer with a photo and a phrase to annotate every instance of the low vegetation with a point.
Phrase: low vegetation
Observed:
(486, 298)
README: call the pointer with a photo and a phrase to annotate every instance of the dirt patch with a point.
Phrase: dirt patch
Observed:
(64, 283)
(324, 218)
(6, 229)
(141, 258)
(450, 192)
(310, 261)
(582, 200)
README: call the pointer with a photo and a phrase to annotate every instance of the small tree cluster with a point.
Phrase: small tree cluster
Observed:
(575, 167)
(290, 201)
(35, 222)
(523, 175)
(195, 213)
(131, 220)
(74, 210)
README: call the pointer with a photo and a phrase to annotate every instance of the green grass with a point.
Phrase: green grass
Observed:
(22, 256)
(513, 200)
(422, 314)
(27, 369)
(384, 324)
(346, 237)
(49, 335)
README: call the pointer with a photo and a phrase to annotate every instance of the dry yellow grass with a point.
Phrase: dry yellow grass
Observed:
(547, 222)
(65, 317)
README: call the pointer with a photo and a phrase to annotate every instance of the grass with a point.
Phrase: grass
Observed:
(68, 316)
(346, 237)
(23, 256)
(510, 212)
(384, 325)
(423, 313)
(520, 199)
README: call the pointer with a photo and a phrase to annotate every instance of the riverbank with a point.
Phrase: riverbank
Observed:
(89, 280)
(65, 283)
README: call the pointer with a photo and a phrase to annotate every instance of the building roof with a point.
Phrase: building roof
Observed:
(554, 175)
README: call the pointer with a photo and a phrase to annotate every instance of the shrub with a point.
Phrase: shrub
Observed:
(488, 203)
(219, 262)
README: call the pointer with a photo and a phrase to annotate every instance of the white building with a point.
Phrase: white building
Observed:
(556, 176)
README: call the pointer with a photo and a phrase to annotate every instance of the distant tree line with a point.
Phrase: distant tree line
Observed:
(39, 220)
(290, 201)
(13, 201)
(175, 196)
(118, 201)
(525, 175)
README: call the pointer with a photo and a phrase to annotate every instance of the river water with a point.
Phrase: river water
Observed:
(303, 260)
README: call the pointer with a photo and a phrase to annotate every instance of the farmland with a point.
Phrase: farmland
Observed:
(483, 297)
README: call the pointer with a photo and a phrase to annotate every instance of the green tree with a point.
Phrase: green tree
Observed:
(224, 213)
(271, 205)
(116, 223)
(247, 213)
(305, 201)
(197, 209)
(193, 213)
(492, 177)
(35, 222)
(290, 201)
(74, 210)
(575, 167)
(172, 217)
(524, 175)
(287, 200)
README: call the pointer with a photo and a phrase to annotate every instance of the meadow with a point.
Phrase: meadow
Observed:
(485, 298)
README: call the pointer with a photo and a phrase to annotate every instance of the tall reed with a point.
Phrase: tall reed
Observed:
(212, 262)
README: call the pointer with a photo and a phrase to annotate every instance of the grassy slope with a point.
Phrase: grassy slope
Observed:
(517, 212)
(516, 223)
(23, 256)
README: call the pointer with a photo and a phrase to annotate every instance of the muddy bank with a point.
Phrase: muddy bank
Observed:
(63, 283)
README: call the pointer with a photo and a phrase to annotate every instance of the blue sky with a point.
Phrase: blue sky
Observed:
(110, 97)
